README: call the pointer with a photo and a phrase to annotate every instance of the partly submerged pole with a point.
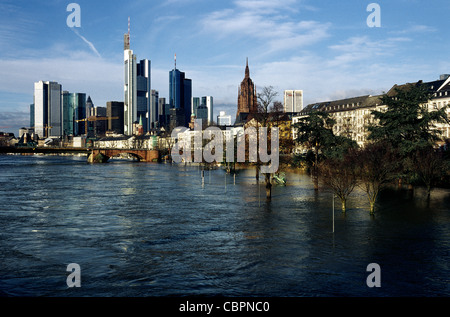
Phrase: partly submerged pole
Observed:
(333, 213)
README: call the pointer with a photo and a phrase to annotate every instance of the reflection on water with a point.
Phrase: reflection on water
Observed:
(156, 230)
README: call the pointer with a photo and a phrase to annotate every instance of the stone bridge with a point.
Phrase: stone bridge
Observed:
(106, 154)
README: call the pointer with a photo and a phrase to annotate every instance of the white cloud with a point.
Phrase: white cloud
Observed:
(363, 49)
(418, 28)
(264, 6)
(265, 22)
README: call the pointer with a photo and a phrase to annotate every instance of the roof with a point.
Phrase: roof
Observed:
(241, 119)
(343, 104)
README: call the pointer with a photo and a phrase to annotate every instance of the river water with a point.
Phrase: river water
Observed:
(147, 229)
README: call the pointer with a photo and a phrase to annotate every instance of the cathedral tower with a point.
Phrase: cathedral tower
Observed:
(247, 101)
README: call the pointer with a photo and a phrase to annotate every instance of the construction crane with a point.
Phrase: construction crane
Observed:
(91, 119)
(46, 127)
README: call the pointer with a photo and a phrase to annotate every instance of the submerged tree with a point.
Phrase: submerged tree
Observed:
(263, 116)
(340, 175)
(315, 133)
(377, 165)
(429, 166)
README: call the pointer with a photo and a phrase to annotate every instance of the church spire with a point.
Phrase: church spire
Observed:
(247, 70)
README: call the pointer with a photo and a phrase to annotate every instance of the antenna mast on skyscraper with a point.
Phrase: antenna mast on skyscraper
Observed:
(175, 60)
(128, 26)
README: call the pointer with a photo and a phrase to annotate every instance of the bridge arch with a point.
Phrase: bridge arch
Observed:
(141, 155)
(130, 153)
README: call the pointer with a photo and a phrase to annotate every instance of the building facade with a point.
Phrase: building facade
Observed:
(154, 111)
(163, 113)
(208, 101)
(130, 88)
(114, 109)
(293, 101)
(73, 112)
(47, 109)
(354, 115)
(223, 119)
(180, 95)
(195, 103)
(202, 114)
(130, 98)
(143, 93)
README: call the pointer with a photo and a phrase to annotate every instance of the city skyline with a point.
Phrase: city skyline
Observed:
(325, 49)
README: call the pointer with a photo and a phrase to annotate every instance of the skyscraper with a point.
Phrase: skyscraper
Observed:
(195, 103)
(293, 100)
(202, 114)
(130, 89)
(114, 109)
(247, 100)
(187, 98)
(180, 94)
(143, 78)
(208, 102)
(89, 105)
(47, 109)
(154, 110)
(32, 116)
(73, 110)
(163, 113)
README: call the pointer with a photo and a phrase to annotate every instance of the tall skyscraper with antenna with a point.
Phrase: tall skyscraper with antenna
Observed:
(130, 91)
(180, 95)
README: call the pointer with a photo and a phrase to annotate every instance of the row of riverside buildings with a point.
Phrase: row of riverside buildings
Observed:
(354, 115)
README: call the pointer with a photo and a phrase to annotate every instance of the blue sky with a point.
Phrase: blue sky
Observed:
(324, 48)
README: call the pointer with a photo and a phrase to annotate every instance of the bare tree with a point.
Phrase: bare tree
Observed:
(340, 176)
(429, 166)
(265, 99)
(377, 166)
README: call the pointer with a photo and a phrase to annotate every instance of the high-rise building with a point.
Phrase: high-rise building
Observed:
(130, 89)
(247, 99)
(114, 109)
(202, 114)
(223, 119)
(195, 103)
(98, 125)
(89, 105)
(293, 101)
(163, 113)
(47, 109)
(143, 78)
(180, 94)
(187, 98)
(154, 107)
(32, 116)
(73, 112)
(209, 103)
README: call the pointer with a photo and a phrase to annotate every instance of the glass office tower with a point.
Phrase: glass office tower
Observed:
(180, 94)
(74, 110)
(143, 77)
(47, 109)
